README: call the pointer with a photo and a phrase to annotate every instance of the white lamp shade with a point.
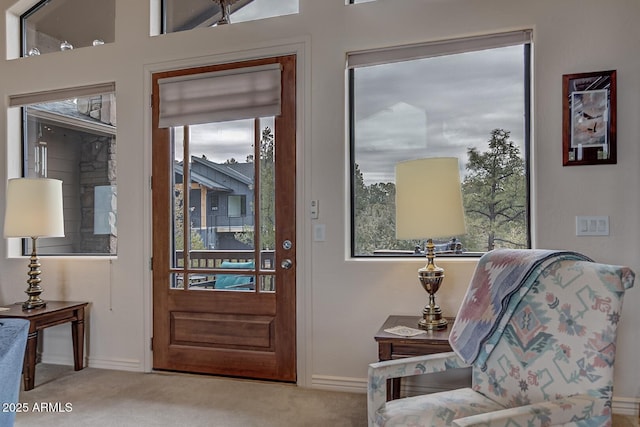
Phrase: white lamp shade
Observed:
(34, 208)
(429, 199)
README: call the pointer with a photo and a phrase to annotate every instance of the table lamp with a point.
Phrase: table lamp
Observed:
(34, 209)
(429, 205)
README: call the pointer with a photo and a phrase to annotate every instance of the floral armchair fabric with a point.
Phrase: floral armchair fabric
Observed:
(551, 363)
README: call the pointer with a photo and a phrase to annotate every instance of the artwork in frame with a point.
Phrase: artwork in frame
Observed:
(589, 118)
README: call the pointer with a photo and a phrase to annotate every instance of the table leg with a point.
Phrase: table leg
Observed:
(77, 336)
(395, 389)
(393, 385)
(29, 367)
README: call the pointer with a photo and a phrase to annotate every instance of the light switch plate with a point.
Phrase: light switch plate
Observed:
(592, 225)
(315, 209)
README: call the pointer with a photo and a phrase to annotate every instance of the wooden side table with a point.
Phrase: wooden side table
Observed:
(55, 313)
(391, 346)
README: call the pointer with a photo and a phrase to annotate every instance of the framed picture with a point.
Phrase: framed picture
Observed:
(589, 118)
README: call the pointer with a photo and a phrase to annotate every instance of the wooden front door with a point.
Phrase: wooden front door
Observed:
(226, 192)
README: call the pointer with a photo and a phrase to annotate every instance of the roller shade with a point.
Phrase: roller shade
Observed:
(219, 96)
(437, 48)
(61, 94)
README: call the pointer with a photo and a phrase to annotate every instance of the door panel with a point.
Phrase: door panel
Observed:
(226, 306)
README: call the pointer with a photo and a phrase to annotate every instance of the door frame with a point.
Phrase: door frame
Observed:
(304, 312)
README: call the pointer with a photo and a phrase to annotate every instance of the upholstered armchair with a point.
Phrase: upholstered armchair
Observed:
(538, 329)
(13, 342)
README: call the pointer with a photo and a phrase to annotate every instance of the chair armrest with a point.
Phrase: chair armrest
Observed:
(380, 372)
(549, 413)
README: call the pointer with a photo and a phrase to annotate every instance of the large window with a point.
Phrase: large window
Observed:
(181, 15)
(53, 25)
(71, 136)
(465, 98)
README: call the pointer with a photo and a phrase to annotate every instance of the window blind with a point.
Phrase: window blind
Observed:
(218, 96)
(437, 48)
(60, 94)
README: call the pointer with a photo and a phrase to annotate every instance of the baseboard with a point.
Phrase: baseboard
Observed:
(619, 405)
(351, 385)
(625, 405)
(117, 364)
(92, 362)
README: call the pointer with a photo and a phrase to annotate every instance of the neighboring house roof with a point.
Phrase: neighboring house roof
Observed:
(242, 173)
(245, 169)
(202, 180)
(65, 113)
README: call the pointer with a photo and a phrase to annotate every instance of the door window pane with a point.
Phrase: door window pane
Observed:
(267, 210)
(219, 210)
(52, 25)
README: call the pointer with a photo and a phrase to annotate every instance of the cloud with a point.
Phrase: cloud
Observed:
(461, 99)
(220, 142)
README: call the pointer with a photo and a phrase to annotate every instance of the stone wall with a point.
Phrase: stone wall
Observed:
(98, 168)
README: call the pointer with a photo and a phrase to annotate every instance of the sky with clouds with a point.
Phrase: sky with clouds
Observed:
(436, 107)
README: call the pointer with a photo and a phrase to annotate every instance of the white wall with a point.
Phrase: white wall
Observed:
(342, 301)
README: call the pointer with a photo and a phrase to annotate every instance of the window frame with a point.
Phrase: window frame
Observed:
(436, 49)
(22, 102)
(40, 5)
(241, 201)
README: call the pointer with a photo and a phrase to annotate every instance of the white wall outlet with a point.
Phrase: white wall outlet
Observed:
(592, 225)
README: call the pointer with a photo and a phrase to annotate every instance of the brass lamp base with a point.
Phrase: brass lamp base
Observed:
(431, 277)
(432, 319)
(34, 289)
(32, 305)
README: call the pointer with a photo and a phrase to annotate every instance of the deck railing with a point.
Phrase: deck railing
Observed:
(213, 258)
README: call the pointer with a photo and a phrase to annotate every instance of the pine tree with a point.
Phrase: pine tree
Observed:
(494, 192)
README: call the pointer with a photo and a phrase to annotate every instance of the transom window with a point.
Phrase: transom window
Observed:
(53, 25)
(181, 15)
(465, 98)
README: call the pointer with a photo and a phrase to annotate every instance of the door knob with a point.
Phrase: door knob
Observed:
(286, 264)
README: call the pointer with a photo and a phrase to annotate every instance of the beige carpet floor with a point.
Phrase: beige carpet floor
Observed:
(105, 398)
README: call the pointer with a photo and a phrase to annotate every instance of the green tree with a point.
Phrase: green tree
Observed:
(266, 192)
(196, 240)
(375, 217)
(494, 192)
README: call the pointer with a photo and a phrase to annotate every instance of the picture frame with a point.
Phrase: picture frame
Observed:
(589, 118)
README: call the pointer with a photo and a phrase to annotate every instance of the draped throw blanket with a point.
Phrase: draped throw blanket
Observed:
(501, 279)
